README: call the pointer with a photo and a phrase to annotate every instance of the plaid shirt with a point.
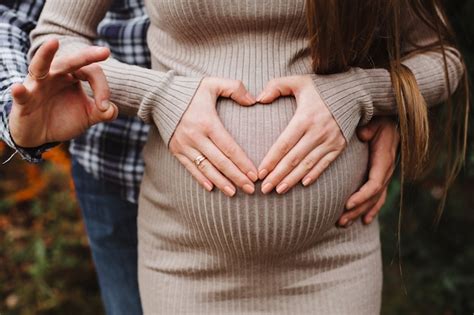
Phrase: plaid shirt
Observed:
(109, 151)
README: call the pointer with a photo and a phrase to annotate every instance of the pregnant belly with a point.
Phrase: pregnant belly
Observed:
(175, 210)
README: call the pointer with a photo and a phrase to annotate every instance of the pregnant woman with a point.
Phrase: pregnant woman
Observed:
(202, 252)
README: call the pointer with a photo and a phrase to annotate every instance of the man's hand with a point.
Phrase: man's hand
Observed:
(51, 105)
(383, 138)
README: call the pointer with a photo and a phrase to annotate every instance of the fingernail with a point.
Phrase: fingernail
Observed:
(250, 98)
(99, 49)
(282, 188)
(229, 191)
(349, 223)
(249, 189)
(307, 181)
(208, 186)
(350, 205)
(253, 177)
(105, 105)
(368, 220)
(261, 96)
(343, 221)
(262, 174)
(267, 188)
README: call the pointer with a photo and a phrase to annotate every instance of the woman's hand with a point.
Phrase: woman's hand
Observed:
(383, 138)
(51, 105)
(309, 144)
(201, 133)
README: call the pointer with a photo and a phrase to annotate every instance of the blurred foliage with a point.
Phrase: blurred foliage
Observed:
(45, 262)
(46, 267)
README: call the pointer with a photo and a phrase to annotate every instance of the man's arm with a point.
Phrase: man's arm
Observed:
(17, 19)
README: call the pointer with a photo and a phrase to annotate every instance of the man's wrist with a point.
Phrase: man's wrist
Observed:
(34, 154)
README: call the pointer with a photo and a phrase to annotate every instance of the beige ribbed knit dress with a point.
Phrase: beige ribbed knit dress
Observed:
(205, 253)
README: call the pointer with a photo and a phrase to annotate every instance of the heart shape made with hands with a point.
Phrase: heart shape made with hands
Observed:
(308, 145)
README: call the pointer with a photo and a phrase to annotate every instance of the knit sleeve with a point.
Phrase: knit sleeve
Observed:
(156, 97)
(355, 96)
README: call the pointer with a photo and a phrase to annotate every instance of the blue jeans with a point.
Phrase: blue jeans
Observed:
(111, 224)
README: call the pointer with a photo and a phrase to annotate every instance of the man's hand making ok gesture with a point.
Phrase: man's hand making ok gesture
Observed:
(51, 104)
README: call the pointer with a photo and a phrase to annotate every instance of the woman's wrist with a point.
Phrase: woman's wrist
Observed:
(165, 104)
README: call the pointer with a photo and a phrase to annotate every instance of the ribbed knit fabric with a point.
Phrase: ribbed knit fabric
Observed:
(204, 253)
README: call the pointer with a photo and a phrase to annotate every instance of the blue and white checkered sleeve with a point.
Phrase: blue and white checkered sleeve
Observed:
(16, 22)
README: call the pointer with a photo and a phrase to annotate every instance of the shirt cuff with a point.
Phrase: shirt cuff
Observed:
(32, 155)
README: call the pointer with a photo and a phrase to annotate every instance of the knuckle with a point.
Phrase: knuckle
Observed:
(341, 142)
(204, 166)
(304, 122)
(326, 117)
(324, 131)
(308, 164)
(221, 164)
(179, 141)
(318, 169)
(285, 147)
(85, 59)
(377, 186)
(215, 132)
(94, 68)
(174, 152)
(324, 164)
(285, 170)
(202, 126)
(359, 212)
(230, 150)
(312, 117)
(295, 161)
(173, 146)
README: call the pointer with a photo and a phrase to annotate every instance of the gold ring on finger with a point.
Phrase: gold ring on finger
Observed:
(37, 77)
(198, 160)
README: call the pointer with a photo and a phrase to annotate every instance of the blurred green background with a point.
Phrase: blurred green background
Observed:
(46, 267)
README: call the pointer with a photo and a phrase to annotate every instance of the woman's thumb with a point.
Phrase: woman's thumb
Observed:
(276, 88)
(237, 91)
